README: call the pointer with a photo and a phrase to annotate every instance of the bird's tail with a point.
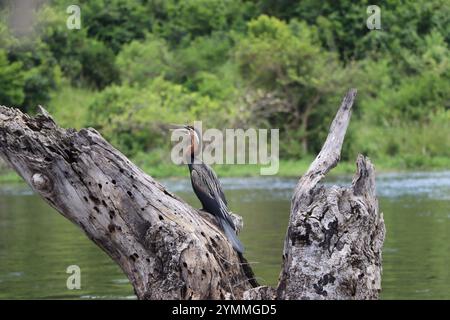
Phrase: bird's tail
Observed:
(231, 236)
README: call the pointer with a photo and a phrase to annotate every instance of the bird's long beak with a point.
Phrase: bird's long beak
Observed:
(180, 127)
(176, 126)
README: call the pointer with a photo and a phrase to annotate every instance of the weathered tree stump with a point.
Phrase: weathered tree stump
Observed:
(169, 250)
(335, 235)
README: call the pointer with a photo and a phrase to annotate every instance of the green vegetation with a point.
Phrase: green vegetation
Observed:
(135, 66)
(288, 168)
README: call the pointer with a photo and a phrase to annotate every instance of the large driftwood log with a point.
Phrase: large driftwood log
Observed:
(170, 250)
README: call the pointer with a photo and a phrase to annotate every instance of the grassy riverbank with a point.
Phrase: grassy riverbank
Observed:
(286, 168)
(237, 64)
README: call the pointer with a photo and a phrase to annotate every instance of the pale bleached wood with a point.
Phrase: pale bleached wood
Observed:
(170, 250)
(335, 235)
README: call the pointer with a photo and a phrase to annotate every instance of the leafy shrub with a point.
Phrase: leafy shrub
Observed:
(40, 70)
(140, 62)
(134, 118)
(287, 61)
(11, 82)
(182, 21)
(84, 60)
(115, 22)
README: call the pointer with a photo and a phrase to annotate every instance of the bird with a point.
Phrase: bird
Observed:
(208, 189)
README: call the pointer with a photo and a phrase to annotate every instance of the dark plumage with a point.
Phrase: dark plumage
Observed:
(208, 190)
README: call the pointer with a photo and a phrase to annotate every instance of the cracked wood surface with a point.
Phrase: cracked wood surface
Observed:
(170, 250)
(167, 249)
(335, 235)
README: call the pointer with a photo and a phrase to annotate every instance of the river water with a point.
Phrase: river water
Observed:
(37, 244)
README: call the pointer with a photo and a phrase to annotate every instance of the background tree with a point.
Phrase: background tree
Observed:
(11, 81)
(247, 63)
(286, 60)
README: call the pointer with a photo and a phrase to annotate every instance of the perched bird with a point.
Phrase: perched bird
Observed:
(207, 188)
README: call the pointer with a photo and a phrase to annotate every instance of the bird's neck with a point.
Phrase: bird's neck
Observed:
(193, 159)
(193, 151)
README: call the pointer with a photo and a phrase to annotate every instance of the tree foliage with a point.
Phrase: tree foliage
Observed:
(11, 81)
(135, 117)
(262, 63)
(286, 60)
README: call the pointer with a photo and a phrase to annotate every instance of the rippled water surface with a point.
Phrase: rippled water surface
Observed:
(37, 244)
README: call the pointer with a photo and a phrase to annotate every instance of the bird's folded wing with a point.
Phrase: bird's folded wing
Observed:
(209, 188)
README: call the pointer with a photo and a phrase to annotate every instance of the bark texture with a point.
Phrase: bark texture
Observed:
(167, 249)
(335, 235)
(170, 250)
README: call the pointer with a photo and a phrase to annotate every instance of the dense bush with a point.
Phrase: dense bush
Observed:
(85, 61)
(140, 62)
(182, 21)
(135, 118)
(286, 60)
(114, 22)
(40, 71)
(272, 64)
(11, 81)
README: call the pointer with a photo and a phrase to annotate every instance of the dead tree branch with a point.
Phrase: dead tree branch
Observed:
(169, 250)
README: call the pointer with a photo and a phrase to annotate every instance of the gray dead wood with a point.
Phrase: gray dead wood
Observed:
(169, 250)
(335, 235)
